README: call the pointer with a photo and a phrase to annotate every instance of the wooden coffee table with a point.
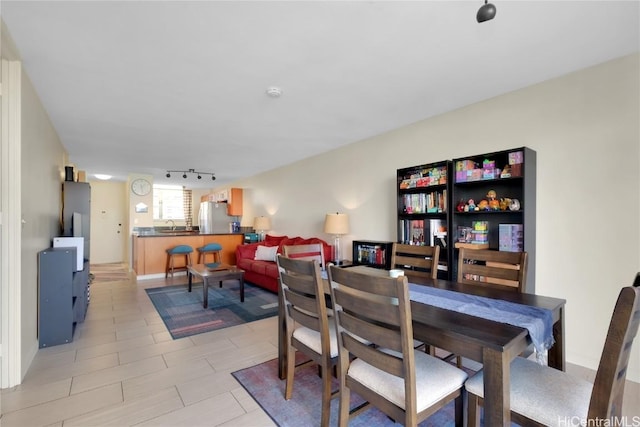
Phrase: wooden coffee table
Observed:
(215, 272)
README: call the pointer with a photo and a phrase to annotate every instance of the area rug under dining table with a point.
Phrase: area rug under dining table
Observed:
(183, 314)
(304, 407)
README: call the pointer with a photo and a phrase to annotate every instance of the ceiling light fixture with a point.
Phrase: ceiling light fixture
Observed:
(193, 171)
(486, 12)
(102, 176)
(274, 92)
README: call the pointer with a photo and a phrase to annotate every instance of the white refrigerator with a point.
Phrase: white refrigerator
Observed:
(213, 218)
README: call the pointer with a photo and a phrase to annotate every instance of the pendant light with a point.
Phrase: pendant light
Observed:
(486, 12)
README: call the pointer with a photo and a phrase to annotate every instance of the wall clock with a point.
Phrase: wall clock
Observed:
(141, 187)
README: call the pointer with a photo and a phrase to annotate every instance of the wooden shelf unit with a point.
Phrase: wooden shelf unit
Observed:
(521, 185)
(423, 209)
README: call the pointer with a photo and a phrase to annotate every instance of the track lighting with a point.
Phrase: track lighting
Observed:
(486, 12)
(193, 171)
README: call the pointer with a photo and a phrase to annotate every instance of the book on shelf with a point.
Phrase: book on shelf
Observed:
(371, 254)
(417, 203)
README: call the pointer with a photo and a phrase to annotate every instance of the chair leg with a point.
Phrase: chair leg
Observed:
(326, 395)
(473, 414)
(345, 398)
(459, 362)
(166, 269)
(171, 266)
(459, 411)
(291, 361)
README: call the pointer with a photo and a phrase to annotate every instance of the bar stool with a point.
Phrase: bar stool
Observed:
(210, 248)
(180, 250)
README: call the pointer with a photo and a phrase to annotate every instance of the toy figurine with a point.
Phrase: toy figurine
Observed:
(460, 206)
(504, 203)
(483, 205)
(471, 204)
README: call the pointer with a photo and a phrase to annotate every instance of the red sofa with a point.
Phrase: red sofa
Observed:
(265, 273)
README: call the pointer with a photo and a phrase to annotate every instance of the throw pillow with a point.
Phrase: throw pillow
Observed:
(266, 253)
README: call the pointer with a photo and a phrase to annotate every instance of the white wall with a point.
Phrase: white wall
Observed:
(586, 131)
(43, 160)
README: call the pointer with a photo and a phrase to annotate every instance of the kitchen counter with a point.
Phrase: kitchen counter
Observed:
(150, 248)
(164, 233)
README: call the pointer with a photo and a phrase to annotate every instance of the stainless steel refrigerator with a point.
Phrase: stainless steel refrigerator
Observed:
(213, 218)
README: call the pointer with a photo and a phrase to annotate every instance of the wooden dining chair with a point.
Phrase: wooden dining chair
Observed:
(497, 269)
(417, 262)
(307, 325)
(545, 396)
(312, 251)
(377, 358)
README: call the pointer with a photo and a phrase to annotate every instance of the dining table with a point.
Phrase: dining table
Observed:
(492, 343)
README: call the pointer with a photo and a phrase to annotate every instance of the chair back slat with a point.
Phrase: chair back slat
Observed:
(304, 318)
(363, 282)
(309, 252)
(301, 302)
(608, 388)
(507, 270)
(373, 308)
(302, 284)
(414, 260)
(383, 336)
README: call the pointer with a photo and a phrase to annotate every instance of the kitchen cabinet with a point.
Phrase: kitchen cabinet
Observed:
(231, 196)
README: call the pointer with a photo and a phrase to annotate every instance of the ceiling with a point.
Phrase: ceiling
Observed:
(146, 87)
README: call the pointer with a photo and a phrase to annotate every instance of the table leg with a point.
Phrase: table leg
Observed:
(242, 287)
(205, 292)
(497, 397)
(556, 352)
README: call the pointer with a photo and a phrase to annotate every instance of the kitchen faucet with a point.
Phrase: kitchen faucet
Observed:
(173, 224)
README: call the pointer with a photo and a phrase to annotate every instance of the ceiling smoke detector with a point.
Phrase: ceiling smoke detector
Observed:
(274, 92)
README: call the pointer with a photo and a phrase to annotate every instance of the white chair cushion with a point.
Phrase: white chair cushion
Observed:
(311, 338)
(546, 395)
(434, 380)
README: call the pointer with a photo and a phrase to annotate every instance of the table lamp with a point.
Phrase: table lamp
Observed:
(338, 225)
(261, 224)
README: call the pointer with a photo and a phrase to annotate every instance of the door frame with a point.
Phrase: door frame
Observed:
(10, 226)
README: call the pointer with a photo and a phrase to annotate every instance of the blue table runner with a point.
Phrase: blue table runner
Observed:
(538, 321)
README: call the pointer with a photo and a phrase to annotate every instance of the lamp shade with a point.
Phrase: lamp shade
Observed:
(336, 223)
(262, 223)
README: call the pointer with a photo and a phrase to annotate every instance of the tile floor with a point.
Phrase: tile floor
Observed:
(123, 369)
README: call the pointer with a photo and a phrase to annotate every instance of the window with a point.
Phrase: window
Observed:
(168, 202)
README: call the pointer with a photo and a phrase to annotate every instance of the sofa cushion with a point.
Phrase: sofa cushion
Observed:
(259, 267)
(244, 252)
(271, 270)
(245, 263)
(273, 240)
(264, 268)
